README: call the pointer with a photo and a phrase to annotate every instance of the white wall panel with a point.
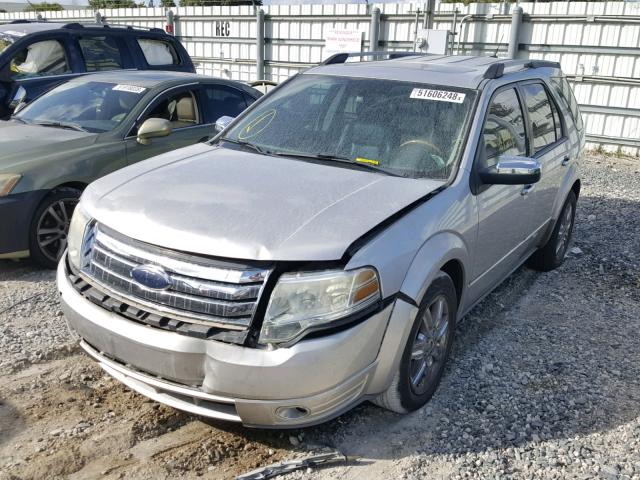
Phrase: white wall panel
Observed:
(600, 48)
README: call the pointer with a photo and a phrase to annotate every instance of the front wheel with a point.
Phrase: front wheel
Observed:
(50, 226)
(552, 254)
(427, 350)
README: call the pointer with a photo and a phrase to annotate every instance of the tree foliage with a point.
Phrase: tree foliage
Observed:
(43, 7)
(96, 4)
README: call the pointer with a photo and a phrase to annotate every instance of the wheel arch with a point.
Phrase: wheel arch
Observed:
(444, 252)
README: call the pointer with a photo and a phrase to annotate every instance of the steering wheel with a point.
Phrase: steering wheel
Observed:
(422, 142)
(419, 155)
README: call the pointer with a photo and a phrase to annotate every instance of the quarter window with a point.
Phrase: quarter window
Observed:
(504, 132)
(541, 116)
(41, 58)
(158, 52)
(564, 89)
(100, 53)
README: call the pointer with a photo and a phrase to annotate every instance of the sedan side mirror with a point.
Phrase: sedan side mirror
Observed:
(153, 128)
(223, 122)
(512, 171)
(18, 98)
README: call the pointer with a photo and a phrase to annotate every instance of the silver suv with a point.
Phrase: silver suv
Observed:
(320, 250)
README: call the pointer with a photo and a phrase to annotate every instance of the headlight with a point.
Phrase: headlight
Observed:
(77, 227)
(305, 301)
(7, 182)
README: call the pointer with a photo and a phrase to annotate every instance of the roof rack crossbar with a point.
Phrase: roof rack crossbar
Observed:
(343, 57)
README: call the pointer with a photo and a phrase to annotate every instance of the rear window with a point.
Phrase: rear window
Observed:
(563, 89)
(100, 53)
(158, 52)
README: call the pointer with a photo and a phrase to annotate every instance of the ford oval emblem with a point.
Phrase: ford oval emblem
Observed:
(151, 276)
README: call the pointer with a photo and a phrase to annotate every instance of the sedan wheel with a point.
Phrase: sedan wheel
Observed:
(50, 226)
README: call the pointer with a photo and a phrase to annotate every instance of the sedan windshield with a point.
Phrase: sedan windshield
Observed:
(90, 106)
(400, 128)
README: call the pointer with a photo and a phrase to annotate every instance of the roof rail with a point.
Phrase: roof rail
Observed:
(343, 57)
(79, 26)
(541, 64)
(494, 70)
(73, 26)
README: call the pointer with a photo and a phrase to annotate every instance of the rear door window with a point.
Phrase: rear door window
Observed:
(100, 53)
(223, 101)
(158, 52)
(541, 116)
(504, 132)
(47, 57)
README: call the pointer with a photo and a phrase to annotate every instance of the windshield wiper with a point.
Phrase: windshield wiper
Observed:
(336, 158)
(68, 125)
(242, 143)
(18, 119)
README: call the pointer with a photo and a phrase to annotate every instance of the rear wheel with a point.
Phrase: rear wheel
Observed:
(552, 254)
(50, 226)
(426, 351)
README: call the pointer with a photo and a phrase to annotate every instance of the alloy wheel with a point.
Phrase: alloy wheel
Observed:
(53, 227)
(564, 231)
(428, 350)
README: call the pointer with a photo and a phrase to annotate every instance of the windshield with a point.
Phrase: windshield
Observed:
(92, 106)
(408, 129)
(6, 41)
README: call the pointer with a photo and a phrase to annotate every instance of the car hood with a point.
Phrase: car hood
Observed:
(20, 143)
(241, 205)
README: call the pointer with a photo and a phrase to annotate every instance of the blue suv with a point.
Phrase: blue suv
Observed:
(36, 56)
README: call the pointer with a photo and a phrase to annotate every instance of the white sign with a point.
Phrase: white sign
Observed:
(338, 40)
(437, 95)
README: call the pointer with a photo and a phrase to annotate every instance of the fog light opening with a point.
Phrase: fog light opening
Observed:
(292, 413)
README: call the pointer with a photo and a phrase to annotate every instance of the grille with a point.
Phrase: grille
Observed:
(200, 291)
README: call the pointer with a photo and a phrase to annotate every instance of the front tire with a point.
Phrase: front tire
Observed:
(427, 350)
(50, 226)
(552, 254)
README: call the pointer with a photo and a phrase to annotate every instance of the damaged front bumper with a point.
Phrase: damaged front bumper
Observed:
(305, 384)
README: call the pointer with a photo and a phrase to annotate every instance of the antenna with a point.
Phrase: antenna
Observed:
(495, 54)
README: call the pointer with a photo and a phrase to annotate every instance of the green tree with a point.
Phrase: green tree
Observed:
(167, 3)
(96, 4)
(43, 7)
(208, 3)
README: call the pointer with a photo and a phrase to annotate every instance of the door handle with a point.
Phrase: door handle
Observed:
(565, 161)
(526, 189)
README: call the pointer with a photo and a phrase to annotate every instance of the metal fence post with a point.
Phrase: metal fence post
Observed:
(260, 45)
(170, 26)
(374, 30)
(98, 17)
(514, 40)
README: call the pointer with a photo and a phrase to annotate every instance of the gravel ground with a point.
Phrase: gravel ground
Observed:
(543, 382)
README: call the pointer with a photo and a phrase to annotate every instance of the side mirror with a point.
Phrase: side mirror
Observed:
(223, 122)
(18, 99)
(153, 128)
(512, 171)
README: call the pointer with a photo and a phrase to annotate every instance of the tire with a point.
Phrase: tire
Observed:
(551, 255)
(50, 226)
(405, 394)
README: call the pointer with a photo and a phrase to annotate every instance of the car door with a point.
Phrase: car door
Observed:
(183, 108)
(504, 221)
(549, 146)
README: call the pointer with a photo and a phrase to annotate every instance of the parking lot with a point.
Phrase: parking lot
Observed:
(543, 381)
